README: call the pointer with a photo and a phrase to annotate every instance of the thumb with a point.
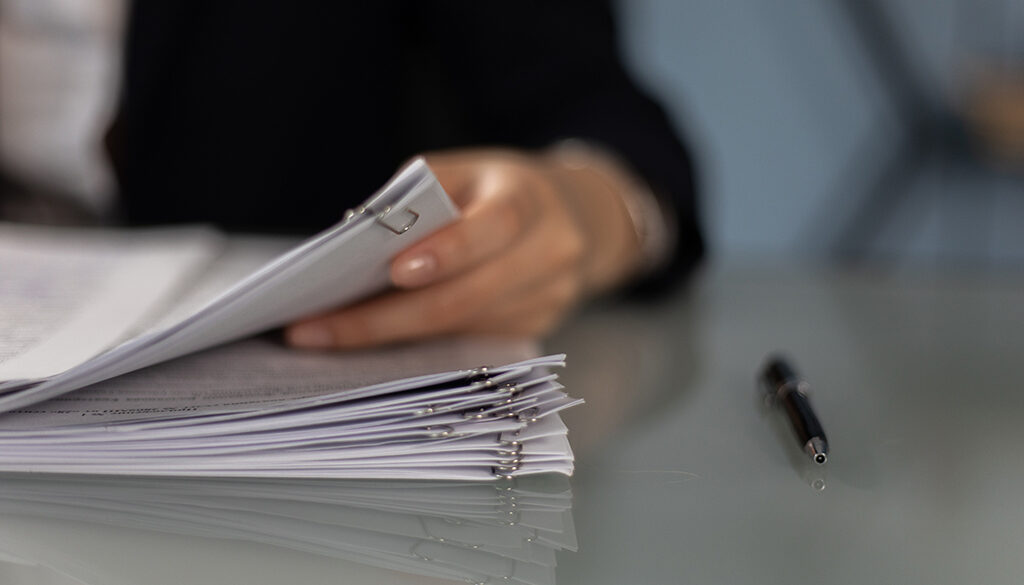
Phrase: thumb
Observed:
(458, 175)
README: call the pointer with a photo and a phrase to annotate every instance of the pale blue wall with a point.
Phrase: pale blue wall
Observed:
(778, 100)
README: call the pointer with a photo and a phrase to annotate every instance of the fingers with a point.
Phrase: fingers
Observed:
(397, 316)
(462, 172)
(512, 264)
(408, 315)
(454, 305)
(531, 315)
(491, 223)
(455, 173)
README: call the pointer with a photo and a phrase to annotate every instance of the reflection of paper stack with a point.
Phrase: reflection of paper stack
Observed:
(93, 309)
(474, 532)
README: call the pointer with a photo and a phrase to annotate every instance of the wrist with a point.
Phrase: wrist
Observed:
(620, 226)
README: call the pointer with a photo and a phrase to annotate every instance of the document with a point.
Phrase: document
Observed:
(254, 374)
(68, 295)
(341, 265)
(203, 415)
(132, 353)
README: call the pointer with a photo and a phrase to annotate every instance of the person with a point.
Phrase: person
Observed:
(277, 116)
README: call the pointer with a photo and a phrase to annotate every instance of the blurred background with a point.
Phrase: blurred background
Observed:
(849, 130)
(882, 131)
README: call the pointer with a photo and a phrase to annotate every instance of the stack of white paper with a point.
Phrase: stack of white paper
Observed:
(86, 311)
(256, 408)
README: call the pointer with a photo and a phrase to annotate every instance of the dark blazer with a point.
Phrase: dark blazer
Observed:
(279, 115)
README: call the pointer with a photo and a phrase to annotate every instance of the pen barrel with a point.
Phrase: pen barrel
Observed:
(778, 374)
(805, 423)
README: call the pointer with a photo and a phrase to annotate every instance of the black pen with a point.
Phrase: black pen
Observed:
(783, 385)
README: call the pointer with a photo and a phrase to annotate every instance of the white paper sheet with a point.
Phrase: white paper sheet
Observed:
(339, 266)
(68, 295)
(256, 408)
(257, 373)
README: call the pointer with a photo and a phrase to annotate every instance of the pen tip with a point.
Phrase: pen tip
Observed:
(817, 448)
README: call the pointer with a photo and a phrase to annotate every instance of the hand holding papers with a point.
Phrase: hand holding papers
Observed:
(338, 266)
(456, 423)
(538, 234)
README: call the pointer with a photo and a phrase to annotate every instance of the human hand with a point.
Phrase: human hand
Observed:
(535, 237)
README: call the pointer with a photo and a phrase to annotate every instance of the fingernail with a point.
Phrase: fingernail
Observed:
(311, 336)
(416, 270)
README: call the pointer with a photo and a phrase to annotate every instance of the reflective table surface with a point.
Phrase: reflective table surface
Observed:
(684, 474)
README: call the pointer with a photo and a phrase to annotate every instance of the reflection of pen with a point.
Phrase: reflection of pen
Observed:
(782, 385)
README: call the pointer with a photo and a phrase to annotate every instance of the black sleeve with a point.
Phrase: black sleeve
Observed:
(533, 73)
